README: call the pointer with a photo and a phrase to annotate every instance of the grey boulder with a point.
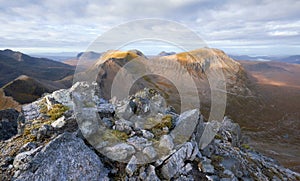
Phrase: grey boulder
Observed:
(65, 158)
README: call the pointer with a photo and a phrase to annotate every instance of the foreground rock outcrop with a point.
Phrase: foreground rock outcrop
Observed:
(138, 138)
(8, 123)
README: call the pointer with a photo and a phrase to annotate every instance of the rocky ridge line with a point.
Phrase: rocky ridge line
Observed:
(49, 145)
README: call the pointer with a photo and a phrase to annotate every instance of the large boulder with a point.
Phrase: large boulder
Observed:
(64, 158)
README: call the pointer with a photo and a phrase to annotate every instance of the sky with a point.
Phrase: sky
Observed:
(267, 27)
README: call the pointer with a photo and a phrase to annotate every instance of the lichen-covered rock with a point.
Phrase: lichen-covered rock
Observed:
(65, 158)
(59, 123)
(152, 143)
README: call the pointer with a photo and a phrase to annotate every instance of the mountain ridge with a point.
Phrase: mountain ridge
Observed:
(13, 66)
(43, 143)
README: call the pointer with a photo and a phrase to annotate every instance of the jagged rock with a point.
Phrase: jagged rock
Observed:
(22, 161)
(27, 147)
(185, 126)
(105, 110)
(206, 133)
(87, 120)
(175, 164)
(31, 111)
(124, 111)
(149, 174)
(231, 131)
(50, 102)
(44, 131)
(206, 166)
(172, 149)
(131, 166)
(119, 152)
(123, 125)
(65, 158)
(146, 103)
(139, 143)
(147, 134)
(187, 168)
(229, 174)
(107, 122)
(59, 123)
(150, 152)
(166, 142)
(8, 123)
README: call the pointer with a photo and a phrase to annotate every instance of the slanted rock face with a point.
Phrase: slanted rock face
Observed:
(65, 158)
(175, 165)
(8, 123)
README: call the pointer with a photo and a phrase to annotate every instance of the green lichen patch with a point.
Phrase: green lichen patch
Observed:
(157, 126)
(245, 146)
(57, 111)
(114, 135)
(43, 106)
(216, 161)
(218, 137)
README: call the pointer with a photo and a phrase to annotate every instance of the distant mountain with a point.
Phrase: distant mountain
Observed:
(14, 64)
(208, 59)
(57, 56)
(253, 58)
(88, 55)
(290, 59)
(163, 53)
(25, 89)
(262, 66)
(86, 59)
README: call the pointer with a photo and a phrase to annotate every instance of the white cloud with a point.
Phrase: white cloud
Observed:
(74, 23)
(283, 33)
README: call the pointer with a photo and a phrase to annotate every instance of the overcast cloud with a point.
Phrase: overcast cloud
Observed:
(269, 27)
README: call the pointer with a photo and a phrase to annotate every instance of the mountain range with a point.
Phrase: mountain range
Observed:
(288, 59)
(262, 96)
(26, 78)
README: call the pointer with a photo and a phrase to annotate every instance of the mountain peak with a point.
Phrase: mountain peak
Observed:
(18, 56)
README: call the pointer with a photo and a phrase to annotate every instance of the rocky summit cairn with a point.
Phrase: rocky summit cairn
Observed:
(138, 138)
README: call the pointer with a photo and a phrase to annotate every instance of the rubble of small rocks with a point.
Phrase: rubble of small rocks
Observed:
(71, 136)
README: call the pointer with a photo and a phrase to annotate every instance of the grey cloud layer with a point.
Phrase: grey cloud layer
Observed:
(73, 24)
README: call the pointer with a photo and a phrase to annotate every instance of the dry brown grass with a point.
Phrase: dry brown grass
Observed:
(8, 102)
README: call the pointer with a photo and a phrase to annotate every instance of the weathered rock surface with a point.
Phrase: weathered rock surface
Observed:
(8, 123)
(174, 165)
(64, 158)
